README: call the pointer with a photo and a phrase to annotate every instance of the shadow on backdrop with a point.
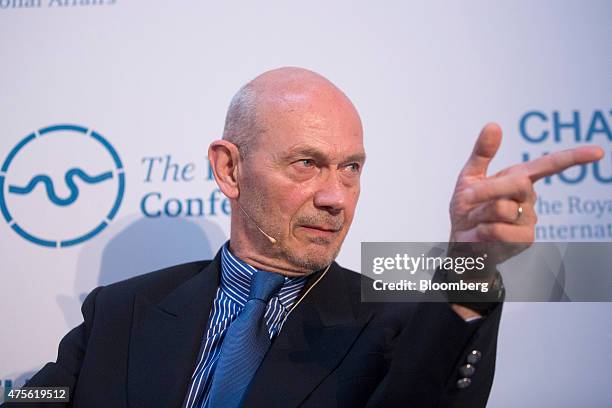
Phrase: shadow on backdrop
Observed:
(136, 246)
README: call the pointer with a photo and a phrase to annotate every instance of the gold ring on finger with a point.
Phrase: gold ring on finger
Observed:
(519, 213)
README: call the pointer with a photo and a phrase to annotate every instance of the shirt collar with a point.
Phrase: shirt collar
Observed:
(236, 276)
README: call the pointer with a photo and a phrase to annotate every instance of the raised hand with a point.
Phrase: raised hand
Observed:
(500, 208)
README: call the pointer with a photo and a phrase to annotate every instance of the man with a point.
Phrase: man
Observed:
(273, 320)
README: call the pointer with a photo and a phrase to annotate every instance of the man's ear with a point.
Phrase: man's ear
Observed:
(224, 157)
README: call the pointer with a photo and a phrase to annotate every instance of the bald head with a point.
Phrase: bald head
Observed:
(277, 93)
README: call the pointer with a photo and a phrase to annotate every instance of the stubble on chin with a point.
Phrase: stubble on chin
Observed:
(312, 262)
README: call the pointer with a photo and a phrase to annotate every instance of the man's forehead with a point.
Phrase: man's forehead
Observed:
(311, 106)
(309, 120)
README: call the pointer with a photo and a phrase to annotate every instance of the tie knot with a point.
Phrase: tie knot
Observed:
(265, 284)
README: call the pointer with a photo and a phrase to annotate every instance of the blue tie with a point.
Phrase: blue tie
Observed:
(245, 345)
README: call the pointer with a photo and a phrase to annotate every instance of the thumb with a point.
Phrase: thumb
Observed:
(484, 150)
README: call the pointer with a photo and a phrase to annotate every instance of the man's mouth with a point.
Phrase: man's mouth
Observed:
(321, 230)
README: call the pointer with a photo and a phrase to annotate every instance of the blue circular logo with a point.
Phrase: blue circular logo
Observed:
(61, 185)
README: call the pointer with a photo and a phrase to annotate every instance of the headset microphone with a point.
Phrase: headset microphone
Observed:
(271, 239)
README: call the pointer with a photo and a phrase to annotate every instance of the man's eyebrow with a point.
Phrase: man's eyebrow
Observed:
(357, 157)
(305, 151)
(319, 155)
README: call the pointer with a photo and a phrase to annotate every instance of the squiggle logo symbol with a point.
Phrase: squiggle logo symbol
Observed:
(61, 214)
(74, 190)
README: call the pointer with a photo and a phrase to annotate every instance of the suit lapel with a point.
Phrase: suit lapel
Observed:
(166, 338)
(312, 342)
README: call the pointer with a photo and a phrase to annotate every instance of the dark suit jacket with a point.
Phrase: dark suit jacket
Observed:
(138, 344)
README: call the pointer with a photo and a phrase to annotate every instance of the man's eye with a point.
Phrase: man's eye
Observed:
(354, 167)
(307, 162)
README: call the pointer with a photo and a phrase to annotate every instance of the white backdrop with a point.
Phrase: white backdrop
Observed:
(154, 78)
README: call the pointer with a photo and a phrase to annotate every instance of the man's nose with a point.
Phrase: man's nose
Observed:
(331, 194)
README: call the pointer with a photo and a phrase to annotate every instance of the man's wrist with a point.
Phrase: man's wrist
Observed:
(481, 301)
(478, 301)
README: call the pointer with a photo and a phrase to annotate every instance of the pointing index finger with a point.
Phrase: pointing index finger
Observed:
(557, 162)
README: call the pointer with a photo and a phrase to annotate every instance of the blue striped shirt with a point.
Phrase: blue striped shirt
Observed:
(231, 297)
